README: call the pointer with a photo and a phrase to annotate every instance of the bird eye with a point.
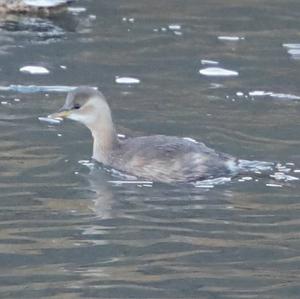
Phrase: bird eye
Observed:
(76, 106)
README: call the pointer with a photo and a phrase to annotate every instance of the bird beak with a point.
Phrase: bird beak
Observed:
(60, 114)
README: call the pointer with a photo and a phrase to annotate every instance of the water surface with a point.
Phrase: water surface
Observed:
(69, 231)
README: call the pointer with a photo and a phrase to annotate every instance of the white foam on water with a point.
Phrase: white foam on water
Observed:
(77, 10)
(127, 80)
(49, 120)
(133, 182)
(179, 33)
(34, 70)
(44, 3)
(206, 61)
(174, 27)
(293, 49)
(211, 183)
(262, 93)
(122, 136)
(291, 46)
(274, 185)
(190, 139)
(218, 72)
(230, 38)
(279, 176)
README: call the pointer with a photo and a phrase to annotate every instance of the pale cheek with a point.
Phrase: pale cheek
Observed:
(83, 118)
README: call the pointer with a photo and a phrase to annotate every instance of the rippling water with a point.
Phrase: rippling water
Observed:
(69, 229)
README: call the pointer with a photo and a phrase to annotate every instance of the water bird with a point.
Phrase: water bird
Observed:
(33, 6)
(158, 158)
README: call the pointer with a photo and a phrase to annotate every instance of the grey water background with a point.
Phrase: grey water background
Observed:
(69, 232)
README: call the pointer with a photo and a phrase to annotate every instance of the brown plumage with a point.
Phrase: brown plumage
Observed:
(158, 158)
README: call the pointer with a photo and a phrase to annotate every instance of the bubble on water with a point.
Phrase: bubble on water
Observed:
(218, 72)
(34, 70)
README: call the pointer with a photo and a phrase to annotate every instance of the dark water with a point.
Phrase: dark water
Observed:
(71, 232)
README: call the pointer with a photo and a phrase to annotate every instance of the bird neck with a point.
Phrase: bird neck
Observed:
(105, 140)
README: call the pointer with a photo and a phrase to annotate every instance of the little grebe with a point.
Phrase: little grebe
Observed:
(158, 158)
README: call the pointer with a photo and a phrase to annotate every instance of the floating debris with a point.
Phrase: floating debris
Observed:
(218, 72)
(34, 70)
